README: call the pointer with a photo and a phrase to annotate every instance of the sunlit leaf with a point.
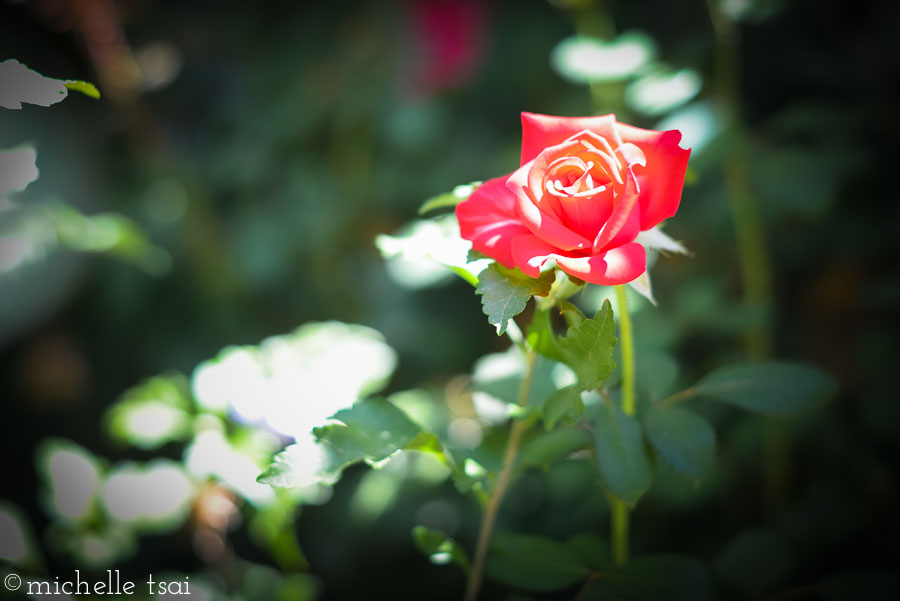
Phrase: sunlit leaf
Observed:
(426, 252)
(658, 239)
(372, 430)
(19, 84)
(18, 168)
(661, 578)
(448, 199)
(440, 548)
(152, 413)
(84, 87)
(682, 438)
(774, 388)
(72, 475)
(532, 562)
(588, 348)
(295, 381)
(661, 91)
(621, 454)
(583, 59)
(505, 292)
(153, 498)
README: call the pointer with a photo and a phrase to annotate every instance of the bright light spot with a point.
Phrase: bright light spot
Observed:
(563, 375)
(419, 255)
(74, 479)
(657, 93)
(296, 382)
(154, 420)
(165, 201)
(160, 63)
(465, 433)
(584, 60)
(157, 495)
(13, 547)
(210, 454)
(697, 123)
(374, 494)
(18, 168)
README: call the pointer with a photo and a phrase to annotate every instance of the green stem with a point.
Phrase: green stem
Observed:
(519, 427)
(754, 260)
(619, 514)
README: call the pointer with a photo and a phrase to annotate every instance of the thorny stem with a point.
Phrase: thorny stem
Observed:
(519, 428)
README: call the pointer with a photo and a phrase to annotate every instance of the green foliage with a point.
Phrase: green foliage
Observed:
(19, 84)
(682, 438)
(754, 562)
(588, 348)
(373, 430)
(564, 406)
(152, 413)
(423, 252)
(583, 59)
(85, 87)
(773, 388)
(661, 578)
(541, 337)
(505, 292)
(532, 562)
(546, 448)
(448, 199)
(621, 454)
(591, 549)
(440, 548)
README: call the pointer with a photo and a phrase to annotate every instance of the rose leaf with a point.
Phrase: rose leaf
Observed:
(588, 348)
(505, 292)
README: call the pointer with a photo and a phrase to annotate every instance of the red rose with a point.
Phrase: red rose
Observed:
(586, 188)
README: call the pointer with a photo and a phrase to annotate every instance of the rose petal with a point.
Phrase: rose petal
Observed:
(617, 266)
(624, 223)
(543, 224)
(662, 180)
(530, 253)
(489, 219)
(541, 131)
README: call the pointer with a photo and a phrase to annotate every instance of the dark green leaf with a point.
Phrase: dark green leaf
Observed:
(588, 348)
(448, 199)
(564, 405)
(754, 562)
(533, 562)
(547, 448)
(593, 550)
(621, 454)
(773, 388)
(440, 548)
(685, 440)
(541, 337)
(661, 578)
(871, 584)
(505, 292)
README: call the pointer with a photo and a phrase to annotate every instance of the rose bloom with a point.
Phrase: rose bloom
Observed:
(586, 187)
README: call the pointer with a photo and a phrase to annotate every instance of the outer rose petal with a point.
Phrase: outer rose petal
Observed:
(662, 180)
(541, 131)
(616, 266)
(489, 219)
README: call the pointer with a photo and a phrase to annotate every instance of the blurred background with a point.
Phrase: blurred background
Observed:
(229, 186)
